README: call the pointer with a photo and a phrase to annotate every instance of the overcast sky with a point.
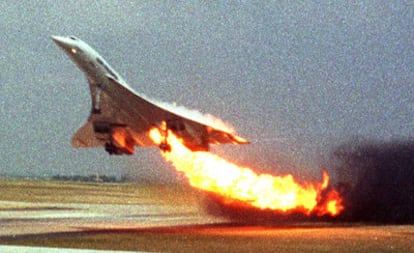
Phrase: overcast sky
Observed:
(297, 79)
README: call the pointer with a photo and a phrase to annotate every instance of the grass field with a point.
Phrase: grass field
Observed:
(93, 193)
(227, 237)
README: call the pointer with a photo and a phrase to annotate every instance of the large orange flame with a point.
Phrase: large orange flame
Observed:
(212, 173)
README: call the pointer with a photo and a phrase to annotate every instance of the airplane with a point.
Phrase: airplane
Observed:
(121, 118)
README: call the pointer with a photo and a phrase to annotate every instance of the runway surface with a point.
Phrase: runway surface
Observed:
(134, 218)
(25, 218)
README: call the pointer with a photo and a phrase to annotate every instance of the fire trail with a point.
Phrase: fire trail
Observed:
(211, 173)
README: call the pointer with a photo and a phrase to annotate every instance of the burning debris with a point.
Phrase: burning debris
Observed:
(239, 186)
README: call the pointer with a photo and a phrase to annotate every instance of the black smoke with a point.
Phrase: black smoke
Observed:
(379, 180)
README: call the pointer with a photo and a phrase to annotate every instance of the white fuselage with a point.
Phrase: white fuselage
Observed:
(87, 59)
(95, 68)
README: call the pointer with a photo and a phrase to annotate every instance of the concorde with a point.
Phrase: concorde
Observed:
(121, 118)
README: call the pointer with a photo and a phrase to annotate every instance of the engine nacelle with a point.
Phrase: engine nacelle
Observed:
(114, 150)
(102, 127)
(122, 140)
(118, 138)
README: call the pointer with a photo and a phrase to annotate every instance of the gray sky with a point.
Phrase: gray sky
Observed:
(297, 79)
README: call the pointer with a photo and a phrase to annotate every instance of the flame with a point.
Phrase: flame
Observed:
(211, 173)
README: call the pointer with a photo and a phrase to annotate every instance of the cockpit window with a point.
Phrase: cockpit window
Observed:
(72, 37)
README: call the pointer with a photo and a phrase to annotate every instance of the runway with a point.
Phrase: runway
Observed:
(163, 219)
(25, 218)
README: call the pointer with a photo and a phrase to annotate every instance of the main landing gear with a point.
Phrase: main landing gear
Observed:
(164, 146)
(96, 102)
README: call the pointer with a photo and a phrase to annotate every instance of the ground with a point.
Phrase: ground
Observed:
(166, 218)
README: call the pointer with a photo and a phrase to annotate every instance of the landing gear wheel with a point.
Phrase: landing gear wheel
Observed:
(165, 147)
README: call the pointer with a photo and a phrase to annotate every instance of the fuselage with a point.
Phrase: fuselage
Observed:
(87, 59)
(93, 65)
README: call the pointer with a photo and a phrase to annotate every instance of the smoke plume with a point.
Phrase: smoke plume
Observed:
(378, 181)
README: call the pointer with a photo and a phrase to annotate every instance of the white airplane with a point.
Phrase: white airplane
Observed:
(121, 118)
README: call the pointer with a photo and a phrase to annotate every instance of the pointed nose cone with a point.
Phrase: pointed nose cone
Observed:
(55, 38)
(60, 41)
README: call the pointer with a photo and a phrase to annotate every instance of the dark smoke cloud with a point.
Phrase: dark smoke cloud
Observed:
(378, 180)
